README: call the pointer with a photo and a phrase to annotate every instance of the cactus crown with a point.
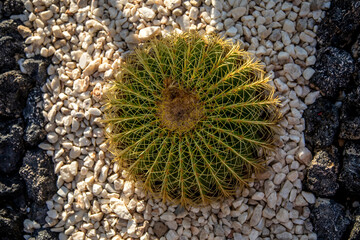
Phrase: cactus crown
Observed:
(188, 114)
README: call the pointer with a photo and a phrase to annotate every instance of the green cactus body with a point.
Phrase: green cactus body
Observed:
(188, 114)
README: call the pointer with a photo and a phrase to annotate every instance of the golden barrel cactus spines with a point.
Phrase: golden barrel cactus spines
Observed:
(188, 114)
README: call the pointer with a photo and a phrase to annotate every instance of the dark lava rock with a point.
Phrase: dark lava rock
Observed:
(9, 47)
(9, 28)
(350, 173)
(322, 123)
(355, 231)
(37, 69)
(10, 224)
(38, 172)
(350, 116)
(334, 69)
(322, 172)
(341, 24)
(34, 120)
(38, 213)
(45, 234)
(14, 89)
(12, 7)
(329, 219)
(11, 145)
(160, 229)
(355, 48)
(10, 186)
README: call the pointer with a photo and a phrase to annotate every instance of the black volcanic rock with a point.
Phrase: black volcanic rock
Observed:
(341, 25)
(38, 172)
(14, 89)
(34, 120)
(350, 173)
(322, 123)
(329, 219)
(36, 69)
(10, 186)
(355, 231)
(12, 7)
(11, 145)
(322, 172)
(350, 116)
(10, 224)
(334, 70)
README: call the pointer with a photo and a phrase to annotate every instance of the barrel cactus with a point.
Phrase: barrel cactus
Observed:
(188, 114)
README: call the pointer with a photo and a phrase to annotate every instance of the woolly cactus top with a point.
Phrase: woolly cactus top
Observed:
(188, 115)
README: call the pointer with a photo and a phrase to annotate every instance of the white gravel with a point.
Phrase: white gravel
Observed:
(85, 41)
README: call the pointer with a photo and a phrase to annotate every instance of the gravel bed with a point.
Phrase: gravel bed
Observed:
(85, 41)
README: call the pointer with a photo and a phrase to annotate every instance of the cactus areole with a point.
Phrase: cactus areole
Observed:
(179, 110)
(188, 115)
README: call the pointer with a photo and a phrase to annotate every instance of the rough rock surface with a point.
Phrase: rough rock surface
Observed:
(355, 231)
(329, 219)
(341, 24)
(34, 120)
(322, 123)
(45, 234)
(11, 44)
(10, 186)
(11, 145)
(17, 124)
(11, 7)
(38, 173)
(10, 224)
(334, 69)
(36, 69)
(322, 172)
(350, 173)
(350, 116)
(14, 89)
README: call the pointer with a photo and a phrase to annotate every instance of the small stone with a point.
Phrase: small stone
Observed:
(256, 216)
(306, 38)
(282, 215)
(193, 13)
(289, 26)
(92, 67)
(56, 30)
(231, 32)
(95, 112)
(65, 173)
(84, 60)
(308, 73)
(120, 209)
(52, 137)
(304, 156)
(148, 33)
(258, 196)
(238, 12)
(171, 4)
(172, 235)
(309, 197)
(78, 236)
(160, 229)
(293, 69)
(146, 13)
(75, 152)
(285, 190)
(46, 15)
(305, 9)
(24, 31)
(168, 216)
